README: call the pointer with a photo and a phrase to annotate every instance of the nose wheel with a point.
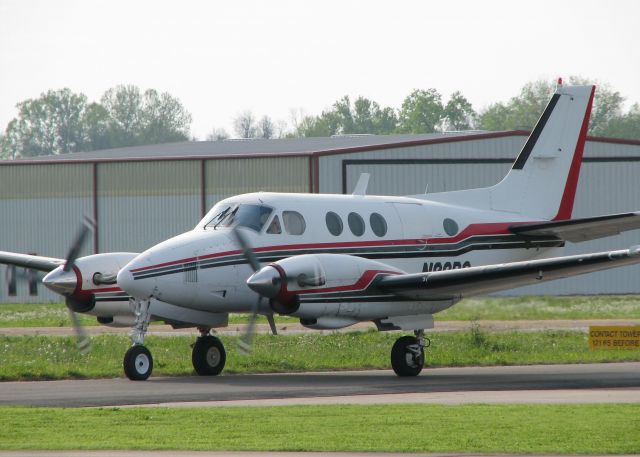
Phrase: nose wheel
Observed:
(407, 354)
(138, 363)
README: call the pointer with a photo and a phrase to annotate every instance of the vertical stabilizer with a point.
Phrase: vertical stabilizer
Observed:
(542, 181)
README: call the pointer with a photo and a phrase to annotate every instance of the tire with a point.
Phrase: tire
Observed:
(208, 356)
(138, 363)
(403, 361)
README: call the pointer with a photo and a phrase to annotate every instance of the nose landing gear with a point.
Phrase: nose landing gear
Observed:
(407, 354)
(138, 362)
(208, 355)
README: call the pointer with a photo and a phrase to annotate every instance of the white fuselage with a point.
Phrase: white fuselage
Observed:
(205, 270)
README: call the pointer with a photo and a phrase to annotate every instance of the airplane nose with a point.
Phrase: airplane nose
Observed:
(60, 281)
(136, 286)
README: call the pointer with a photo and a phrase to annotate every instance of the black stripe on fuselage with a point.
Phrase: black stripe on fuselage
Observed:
(533, 138)
(478, 242)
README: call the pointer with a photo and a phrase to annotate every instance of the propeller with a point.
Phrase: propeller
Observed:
(252, 260)
(83, 343)
(64, 282)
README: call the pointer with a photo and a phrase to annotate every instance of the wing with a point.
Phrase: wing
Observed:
(492, 278)
(585, 229)
(35, 262)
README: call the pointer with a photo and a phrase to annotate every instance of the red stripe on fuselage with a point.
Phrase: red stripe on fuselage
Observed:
(494, 228)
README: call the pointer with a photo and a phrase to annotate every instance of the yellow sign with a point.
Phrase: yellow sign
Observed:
(618, 337)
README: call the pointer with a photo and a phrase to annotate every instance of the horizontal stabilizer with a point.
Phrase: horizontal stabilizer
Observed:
(493, 278)
(585, 229)
(35, 262)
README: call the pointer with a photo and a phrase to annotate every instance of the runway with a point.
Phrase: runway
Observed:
(600, 383)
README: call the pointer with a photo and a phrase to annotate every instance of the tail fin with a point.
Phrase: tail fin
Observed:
(542, 181)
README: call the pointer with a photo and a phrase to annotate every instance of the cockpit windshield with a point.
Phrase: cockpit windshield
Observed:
(244, 215)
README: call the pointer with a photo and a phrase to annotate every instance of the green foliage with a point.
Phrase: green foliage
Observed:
(522, 111)
(150, 118)
(344, 117)
(436, 429)
(459, 114)
(421, 112)
(626, 125)
(62, 121)
(51, 124)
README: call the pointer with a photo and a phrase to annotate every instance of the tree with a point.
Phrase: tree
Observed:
(50, 124)
(363, 116)
(164, 119)
(144, 118)
(458, 113)
(523, 111)
(96, 123)
(245, 125)
(124, 106)
(266, 128)
(625, 126)
(421, 112)
(217, 135)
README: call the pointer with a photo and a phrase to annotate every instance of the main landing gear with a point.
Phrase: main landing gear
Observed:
(208, 355)
(407, 354)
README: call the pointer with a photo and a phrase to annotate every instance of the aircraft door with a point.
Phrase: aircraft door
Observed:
(413, 220)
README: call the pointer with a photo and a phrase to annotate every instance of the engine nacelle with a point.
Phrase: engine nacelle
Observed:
(90, 287)
(285, 281)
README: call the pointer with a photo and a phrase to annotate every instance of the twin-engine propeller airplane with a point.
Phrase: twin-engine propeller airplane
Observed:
(335, 260)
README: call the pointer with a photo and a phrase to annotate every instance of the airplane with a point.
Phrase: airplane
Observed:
(335, 260)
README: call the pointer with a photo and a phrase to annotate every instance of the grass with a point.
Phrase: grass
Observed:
(547, 307)
(486, 308)
(496, 429)
(55, 357)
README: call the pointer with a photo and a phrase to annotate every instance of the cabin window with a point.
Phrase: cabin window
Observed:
(293, 222)
(334, 223)
(356, 224)
(378, 224)
(450, 226)
(274, 228)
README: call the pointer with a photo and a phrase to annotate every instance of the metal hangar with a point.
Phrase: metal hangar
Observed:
(141, 195)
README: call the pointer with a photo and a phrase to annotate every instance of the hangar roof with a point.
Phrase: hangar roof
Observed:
(317, 146)
(257, 147)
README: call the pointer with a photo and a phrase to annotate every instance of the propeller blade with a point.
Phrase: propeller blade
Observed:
(77, 244)
(247, 338)
(83, 342)
(272, 324)
(246, 249)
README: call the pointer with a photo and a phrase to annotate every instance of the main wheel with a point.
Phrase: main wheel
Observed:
(407, 356)
(138, 363)
(208, 356)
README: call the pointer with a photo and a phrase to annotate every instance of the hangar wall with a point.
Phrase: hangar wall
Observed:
(136, 203)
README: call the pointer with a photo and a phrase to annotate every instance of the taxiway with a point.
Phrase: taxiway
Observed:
(583, 383)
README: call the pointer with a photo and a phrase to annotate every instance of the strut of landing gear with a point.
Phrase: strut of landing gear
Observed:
(208, 355)
(138, 363)
(407, 354)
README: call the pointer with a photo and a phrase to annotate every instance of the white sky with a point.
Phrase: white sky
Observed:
(223, 57)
